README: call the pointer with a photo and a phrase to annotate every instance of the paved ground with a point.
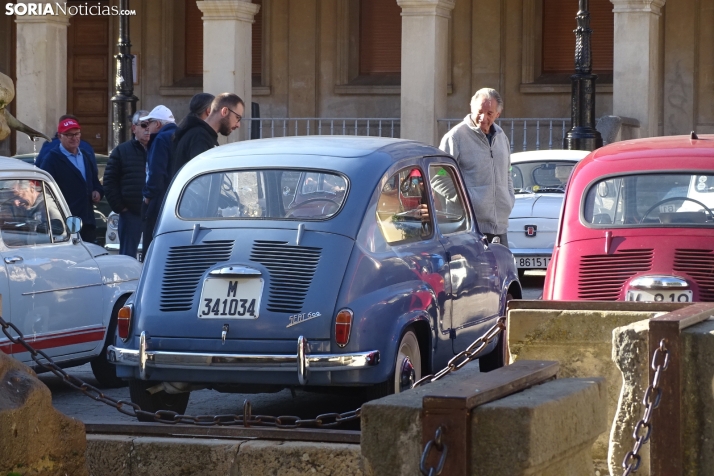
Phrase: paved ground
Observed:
(208, 402)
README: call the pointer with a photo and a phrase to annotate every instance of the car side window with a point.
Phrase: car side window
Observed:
(449, 209)
(403, 211)
(23, 213)
(57, 218)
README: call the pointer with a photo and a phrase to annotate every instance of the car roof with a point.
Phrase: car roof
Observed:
(16, 163)
(651, 148)
(554, 154)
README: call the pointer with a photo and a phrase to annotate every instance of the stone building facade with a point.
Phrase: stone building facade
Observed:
(309, 64)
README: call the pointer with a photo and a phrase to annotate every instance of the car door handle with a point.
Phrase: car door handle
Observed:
(13, 259)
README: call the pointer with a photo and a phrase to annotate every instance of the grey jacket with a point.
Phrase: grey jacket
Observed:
(486, 171)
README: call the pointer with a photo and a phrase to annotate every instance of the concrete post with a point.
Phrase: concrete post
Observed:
(425, 42)
(636, 62)
(228, 68)
(41, 89)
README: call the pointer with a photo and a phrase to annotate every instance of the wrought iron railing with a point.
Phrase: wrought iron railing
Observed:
(524, 133)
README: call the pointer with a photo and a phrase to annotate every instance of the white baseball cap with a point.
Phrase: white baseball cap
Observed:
(161, 113)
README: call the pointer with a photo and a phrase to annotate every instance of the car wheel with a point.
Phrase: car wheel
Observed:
(496, 358)
(153, 402)
(407, 368)
(105, 372)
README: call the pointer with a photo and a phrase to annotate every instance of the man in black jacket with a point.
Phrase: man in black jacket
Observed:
(124, 179)
(195, 136)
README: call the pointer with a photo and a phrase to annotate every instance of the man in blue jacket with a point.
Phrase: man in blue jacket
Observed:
(76, 176)
(84, 146)
(161, 125)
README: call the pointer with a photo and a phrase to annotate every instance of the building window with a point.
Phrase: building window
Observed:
(380, 37)
(559, 39)
(194, 40)
(257, 45)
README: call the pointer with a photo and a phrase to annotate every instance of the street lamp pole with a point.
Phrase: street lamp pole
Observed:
(124, 101)
(583, 135)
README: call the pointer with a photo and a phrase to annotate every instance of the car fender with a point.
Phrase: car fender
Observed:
(120, 276)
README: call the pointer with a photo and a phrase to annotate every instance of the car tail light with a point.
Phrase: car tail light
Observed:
(124, 321)
(343, 327)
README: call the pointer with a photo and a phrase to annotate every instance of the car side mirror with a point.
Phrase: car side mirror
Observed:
(74, 224)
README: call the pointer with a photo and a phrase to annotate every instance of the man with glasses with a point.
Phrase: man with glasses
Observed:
(161, 126)
(76, 176)
(196, 136)
(124, 180)
(84, 146)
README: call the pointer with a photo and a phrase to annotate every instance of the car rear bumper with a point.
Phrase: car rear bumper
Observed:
(532, 252)
(302, 362)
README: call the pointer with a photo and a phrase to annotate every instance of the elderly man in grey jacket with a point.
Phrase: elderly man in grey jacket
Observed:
(483, 153)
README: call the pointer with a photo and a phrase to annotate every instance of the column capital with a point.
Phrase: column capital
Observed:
(638, 6)
(440, 8)
(228, 10)
(61, 20)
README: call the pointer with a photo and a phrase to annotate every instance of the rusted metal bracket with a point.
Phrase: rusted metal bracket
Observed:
(451, 408)
(666, 450)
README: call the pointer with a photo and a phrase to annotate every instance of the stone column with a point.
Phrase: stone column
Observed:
(425, 25)
(41, 89)
(636, 62)
(227, 65)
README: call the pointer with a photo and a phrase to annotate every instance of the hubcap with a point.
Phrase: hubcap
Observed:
(407, 375)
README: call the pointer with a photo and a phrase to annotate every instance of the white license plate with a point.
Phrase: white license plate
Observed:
(532, 262)
(660, 296)
(230, 298)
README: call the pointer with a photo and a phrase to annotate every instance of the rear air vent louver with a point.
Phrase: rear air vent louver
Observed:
(183, 270)
(291, 271)
(603, 276)
(699, 266)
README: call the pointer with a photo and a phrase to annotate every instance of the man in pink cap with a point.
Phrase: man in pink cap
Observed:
(76, 175)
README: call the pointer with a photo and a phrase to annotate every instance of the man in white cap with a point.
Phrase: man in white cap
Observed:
(161, 126)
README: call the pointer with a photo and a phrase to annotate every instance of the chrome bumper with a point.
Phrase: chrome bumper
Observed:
(302, 362)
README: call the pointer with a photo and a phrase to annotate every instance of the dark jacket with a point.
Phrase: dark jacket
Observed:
(192, 138)
(125, 176)
(77, 192)
(55, 143)
(158, 158)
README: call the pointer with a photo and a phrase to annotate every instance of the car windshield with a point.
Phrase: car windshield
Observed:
(651, 200)
(267, 193)
(546, 176)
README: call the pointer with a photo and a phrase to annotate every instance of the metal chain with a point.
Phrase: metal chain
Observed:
(326, 420)
(651, 400)
(465, 356)
(441, 447)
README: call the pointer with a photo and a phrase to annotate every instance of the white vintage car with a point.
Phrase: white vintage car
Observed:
(63, 294)
(539, 179)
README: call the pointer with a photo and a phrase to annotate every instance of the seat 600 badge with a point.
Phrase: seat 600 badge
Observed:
(300, 318)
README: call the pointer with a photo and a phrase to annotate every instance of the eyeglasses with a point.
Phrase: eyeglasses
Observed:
(72, 136)
(237, 115)
(143, 125)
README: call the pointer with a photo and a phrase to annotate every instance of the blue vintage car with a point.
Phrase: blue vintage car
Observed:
(310, 261)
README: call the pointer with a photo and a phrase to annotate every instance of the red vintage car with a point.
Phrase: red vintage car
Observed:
(637, 224)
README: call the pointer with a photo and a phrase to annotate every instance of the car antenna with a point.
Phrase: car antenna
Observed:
(693, 135)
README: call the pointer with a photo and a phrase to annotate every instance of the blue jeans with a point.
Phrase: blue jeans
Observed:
(130, 227)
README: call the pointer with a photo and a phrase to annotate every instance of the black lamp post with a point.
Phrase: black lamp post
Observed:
(124, 101)
(583, 135)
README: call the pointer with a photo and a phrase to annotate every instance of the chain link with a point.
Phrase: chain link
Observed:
(653, 395)
(465, 356)
(441, 447)
(246, 419)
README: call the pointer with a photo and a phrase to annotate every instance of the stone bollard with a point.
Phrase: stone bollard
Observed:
(581, 341)
(35, 438)
(544, 430)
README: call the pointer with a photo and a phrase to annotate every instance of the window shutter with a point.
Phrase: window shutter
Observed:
(257, 41)
(559, 38)
(380, 37)
(194, 39)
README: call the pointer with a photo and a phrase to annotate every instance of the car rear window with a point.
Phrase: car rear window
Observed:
(679, 199)
(287, 194)
(541, 176)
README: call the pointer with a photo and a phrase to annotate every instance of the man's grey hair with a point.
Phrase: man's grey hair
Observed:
(490, 94)
(135, 118)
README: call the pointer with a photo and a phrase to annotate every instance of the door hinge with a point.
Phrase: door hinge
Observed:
(448, 256)
(452, 334)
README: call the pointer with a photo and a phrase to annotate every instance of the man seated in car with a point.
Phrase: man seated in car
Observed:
(23, 214)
